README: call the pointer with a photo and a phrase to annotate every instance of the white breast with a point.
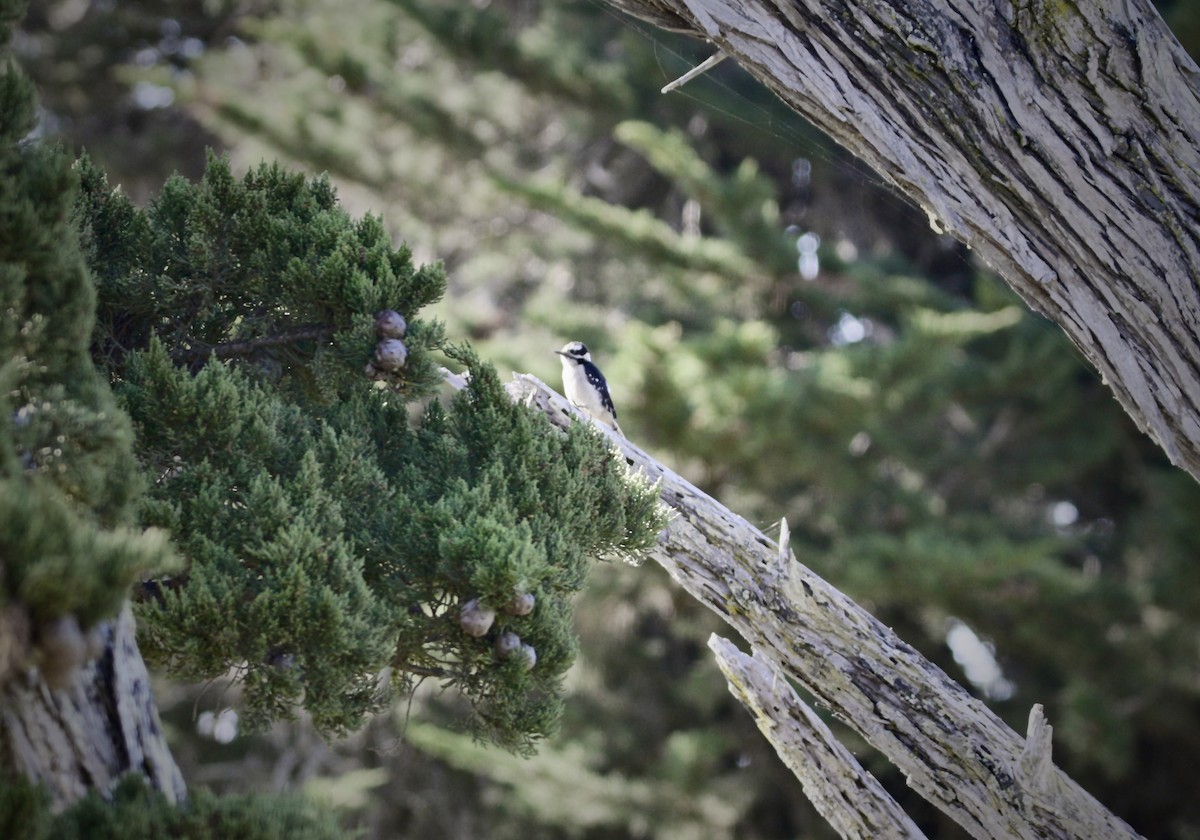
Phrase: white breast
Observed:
(578, 391)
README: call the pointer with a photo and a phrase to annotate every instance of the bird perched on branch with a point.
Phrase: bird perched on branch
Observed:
(584, 385)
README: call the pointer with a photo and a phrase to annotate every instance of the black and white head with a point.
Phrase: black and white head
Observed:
(584, 384)
(576, 351)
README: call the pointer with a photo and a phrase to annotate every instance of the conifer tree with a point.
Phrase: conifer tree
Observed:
(330, 553)
(69, 481)
(325, 540)
(921, 467)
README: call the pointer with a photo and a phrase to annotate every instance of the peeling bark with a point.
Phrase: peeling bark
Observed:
(954, 751)
(88, 734)
(1060, 141)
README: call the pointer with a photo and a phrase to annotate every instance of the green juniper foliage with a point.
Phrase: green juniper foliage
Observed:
(270, 259)
(68, 478)
(327, 541)
(134, 811)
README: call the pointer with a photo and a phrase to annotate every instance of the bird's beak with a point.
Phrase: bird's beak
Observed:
(559, 352)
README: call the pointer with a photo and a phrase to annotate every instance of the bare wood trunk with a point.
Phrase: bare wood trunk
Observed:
(1061, 141)
(953, 749)
(102, 725)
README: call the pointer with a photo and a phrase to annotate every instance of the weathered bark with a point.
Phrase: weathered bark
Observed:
(845, 794)
(952, 748)
(101, 725)
(1061, 141)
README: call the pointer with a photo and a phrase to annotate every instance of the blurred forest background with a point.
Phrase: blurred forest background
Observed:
(776, 325)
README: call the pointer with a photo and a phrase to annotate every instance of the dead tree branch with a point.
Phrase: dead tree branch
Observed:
(953, 749)
(845, 794)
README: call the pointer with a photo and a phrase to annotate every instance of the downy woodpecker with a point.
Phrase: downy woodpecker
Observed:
(584, 385)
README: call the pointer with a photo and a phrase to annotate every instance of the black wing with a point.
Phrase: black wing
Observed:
(596, 379)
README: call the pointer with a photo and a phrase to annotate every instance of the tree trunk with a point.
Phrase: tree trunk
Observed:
(1060, 141)
(952, 748)
(86, 735)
